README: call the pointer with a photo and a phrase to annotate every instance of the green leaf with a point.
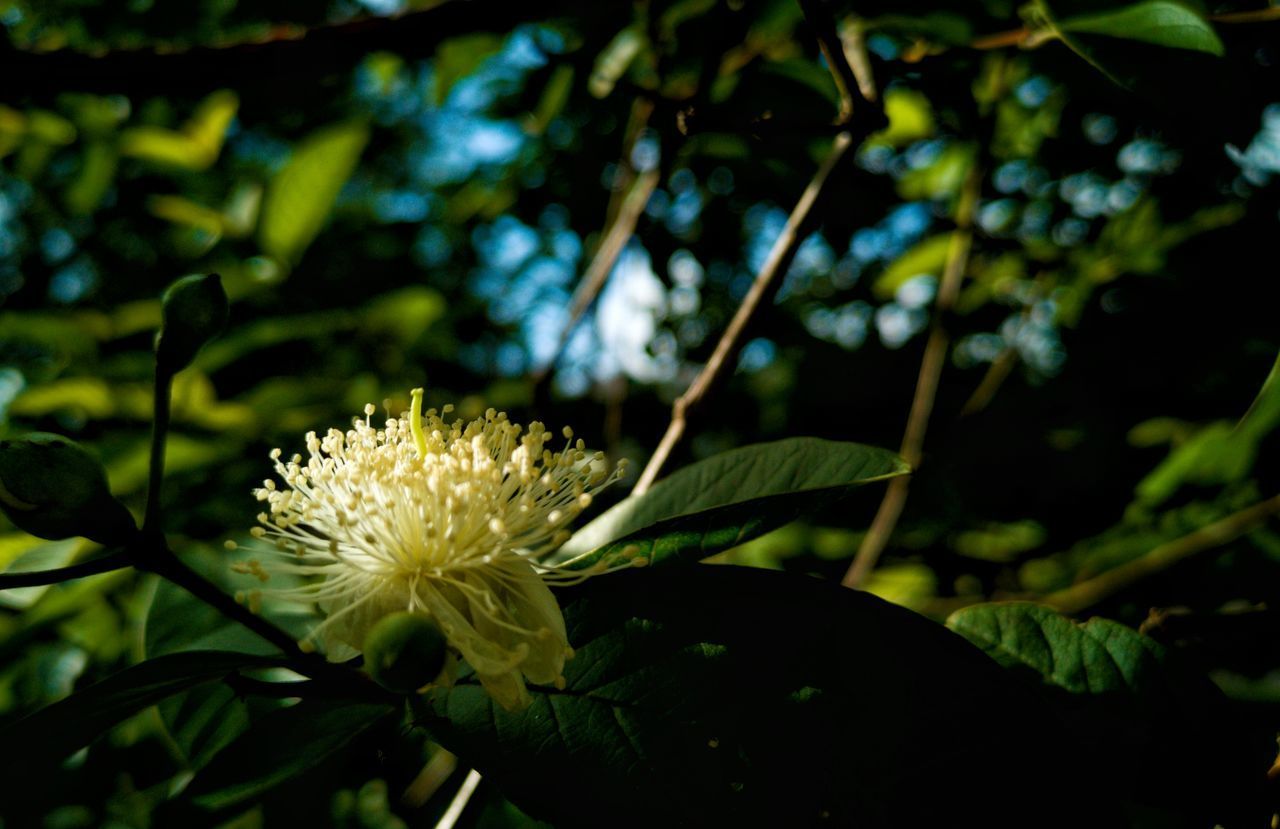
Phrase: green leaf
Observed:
(1264, 414)
(278, 748)
(1129, 705)
(53, 732)
(301, 195)
(926, 258)
(910, 118)
(1158, 22)
(205, 719)
(727, 499)
(1163, 49)
(458, 57)
(728, 696)
(196, 146)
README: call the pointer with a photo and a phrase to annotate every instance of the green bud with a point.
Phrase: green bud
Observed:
(194, 311)
(404, 651)
(54, 488)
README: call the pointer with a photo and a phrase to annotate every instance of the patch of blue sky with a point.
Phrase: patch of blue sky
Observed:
(628, 322)
(1260, 160)
(505, 244)
(74, 281)
(1147, 156)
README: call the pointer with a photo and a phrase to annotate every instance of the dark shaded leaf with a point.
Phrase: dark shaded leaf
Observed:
(37, 742)
(735, 697)
(279, 747)
(1139, 715)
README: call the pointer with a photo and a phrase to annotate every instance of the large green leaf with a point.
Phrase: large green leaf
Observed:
(279, 747)
(304, 191)
(1163, 48)
(1159, 22)
(37, 742)
(727, 696)
(204, 719)
(727, 499)
(1133, 709)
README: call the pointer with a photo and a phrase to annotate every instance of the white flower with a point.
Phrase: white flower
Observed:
(452, 520)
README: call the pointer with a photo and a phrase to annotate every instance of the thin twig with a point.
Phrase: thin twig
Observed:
(854, 39)
(935, 356)
(765, 286)
(768, 281)
(92, 567)
(999, 370)
(999, 40)
(1088, 593)
(460, 800)
(824, 29)
(1267, 15)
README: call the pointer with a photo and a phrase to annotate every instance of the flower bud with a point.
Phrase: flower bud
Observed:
(404, 651)
(54, 488)
(194, 311)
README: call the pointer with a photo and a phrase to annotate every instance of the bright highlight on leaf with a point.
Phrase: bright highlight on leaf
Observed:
(452, 520)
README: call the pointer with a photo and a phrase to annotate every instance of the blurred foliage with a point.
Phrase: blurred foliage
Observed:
(418, 214)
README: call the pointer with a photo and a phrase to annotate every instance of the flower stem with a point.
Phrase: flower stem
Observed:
(159, 432)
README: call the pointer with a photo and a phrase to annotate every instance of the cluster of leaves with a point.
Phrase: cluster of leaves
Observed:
(694, 689)
(371, 238)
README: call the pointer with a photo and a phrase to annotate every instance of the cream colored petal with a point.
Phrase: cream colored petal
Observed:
(533, 607)
(507, 689)
(485, 655)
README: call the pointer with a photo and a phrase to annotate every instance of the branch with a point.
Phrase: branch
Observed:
(767, 281)
(824, 29)
(935, 356)
(999, 370)
(854, 39)
(103, 564)
(286, 52)
(1089, 593)
(620, 229)
(159, 431)
(151, 553)
(764, 287)
(306, 689)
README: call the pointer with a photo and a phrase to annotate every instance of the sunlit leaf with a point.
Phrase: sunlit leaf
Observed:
(303, 193)
(195, 147)
(458, 57)
(910, 118)
(925, 258)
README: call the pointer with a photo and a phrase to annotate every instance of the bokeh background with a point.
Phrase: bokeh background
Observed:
(403, 194)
